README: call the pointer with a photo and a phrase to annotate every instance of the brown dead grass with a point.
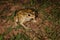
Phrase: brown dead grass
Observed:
(37, 29)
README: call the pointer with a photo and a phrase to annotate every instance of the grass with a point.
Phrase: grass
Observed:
(21, 37)
(1, 37)
(53, 17)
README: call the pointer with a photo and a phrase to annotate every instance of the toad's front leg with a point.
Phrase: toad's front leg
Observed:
(27, 28)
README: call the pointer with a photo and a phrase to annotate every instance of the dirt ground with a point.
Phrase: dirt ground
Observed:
(47, 26)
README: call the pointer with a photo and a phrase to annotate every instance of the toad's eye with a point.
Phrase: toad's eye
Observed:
(28, 14)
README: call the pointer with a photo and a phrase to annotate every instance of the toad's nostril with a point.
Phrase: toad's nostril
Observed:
(31, 18)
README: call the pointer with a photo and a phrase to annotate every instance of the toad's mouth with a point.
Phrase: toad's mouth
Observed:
(28, 19)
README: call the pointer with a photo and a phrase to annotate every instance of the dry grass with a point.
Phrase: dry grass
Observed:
(46, 28)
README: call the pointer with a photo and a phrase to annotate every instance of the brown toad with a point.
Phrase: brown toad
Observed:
(24, 15)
